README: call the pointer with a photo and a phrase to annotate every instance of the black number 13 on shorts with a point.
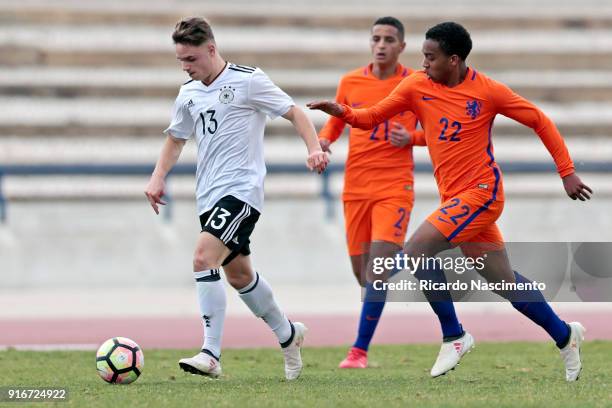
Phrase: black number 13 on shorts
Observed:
(231, 220)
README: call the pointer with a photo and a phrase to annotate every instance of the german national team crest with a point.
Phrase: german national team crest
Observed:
(226, 94)
(472, 108)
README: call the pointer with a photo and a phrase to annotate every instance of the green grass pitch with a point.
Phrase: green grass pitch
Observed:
(493, 375)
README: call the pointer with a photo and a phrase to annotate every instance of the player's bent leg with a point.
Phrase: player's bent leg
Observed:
(387, 220)
(427, 241)
(456, 343)
(532, 304)
(257, 295)
(212, 302)
(357, 220)
(372, 307)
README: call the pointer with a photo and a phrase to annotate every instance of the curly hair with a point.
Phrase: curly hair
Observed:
(452, 37)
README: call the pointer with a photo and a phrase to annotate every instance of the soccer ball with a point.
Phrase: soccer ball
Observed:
(119, 360)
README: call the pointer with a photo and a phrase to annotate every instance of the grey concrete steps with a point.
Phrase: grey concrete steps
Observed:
(357, 14)
(270, 47)
(550, 86)
(86, 188)
(487, 60)
(15, 150)
(29, 117)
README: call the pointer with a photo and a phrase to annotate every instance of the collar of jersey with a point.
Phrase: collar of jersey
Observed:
(217, 77)
(398, 71)
(468, 77)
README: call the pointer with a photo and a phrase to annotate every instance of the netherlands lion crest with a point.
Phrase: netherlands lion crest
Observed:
(472, 108)
(226, 94)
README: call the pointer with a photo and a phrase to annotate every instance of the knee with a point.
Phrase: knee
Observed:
(203, 260)
(418, 248)
(239, 279)
(426, 241)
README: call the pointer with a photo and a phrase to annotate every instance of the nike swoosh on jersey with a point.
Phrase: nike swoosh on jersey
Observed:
(428, 98)
(356, 104)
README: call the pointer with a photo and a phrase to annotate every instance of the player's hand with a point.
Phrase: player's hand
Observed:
(575, 188)
(400, 137)
(155, 191)
(325, 145)
(317, 161)
(329, 107)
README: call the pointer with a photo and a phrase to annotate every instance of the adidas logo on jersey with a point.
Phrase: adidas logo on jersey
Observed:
(190, 104)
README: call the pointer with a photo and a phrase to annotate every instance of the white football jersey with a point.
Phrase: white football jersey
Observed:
(228, 118)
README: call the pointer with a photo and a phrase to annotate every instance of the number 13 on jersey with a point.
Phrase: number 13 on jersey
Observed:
(209, 124)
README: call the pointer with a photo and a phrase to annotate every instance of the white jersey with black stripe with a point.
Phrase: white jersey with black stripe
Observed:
(228, 118)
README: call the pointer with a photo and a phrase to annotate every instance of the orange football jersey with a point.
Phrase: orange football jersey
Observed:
(374, 167)
(458, 122)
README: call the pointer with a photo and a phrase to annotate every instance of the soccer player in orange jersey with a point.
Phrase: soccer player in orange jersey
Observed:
(378, 194)
(456, 106)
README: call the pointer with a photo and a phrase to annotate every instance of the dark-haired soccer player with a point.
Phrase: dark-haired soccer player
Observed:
(378, 195)
(456, 106)
(224, 107)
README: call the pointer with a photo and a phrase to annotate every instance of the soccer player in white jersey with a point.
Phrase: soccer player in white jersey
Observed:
(224, 106)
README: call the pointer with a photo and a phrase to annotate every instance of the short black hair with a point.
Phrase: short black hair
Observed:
(452, 37)
(391, 21)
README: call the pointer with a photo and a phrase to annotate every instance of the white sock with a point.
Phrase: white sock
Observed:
(212, 301)
(259, 298)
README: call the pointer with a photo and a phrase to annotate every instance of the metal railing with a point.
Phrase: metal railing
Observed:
(119, 170)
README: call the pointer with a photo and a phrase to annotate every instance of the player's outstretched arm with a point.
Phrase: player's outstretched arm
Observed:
(575, 188)
(155, 190)
(398, 101)
(330, 107)
(317, 158)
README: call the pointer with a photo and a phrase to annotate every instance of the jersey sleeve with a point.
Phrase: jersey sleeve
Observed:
(518, 108)
(334, 126)
(181, 125)
(398, 101)
(266, 97)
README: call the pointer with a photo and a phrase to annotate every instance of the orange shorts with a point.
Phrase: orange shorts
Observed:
(469, 217)
(376, 220)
